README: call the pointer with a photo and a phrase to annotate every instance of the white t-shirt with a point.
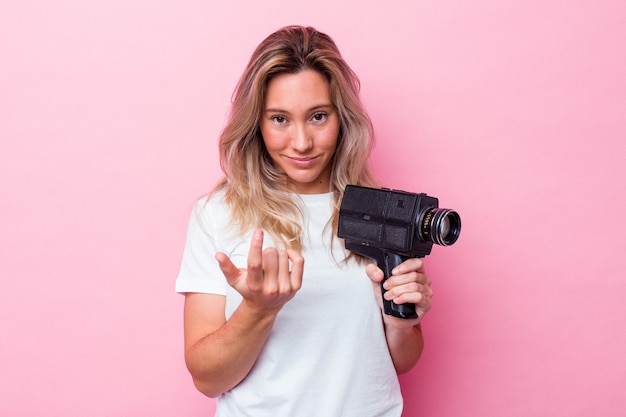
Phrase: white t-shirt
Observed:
(326, 355)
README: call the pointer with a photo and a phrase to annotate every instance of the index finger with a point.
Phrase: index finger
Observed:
(255, 256)
(410, 265)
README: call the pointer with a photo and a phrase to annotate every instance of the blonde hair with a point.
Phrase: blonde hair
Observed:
(253, 188)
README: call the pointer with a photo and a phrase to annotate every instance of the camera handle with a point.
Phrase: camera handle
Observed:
(403, 311)
(385, 261)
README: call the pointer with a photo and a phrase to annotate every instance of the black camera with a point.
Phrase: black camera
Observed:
(391, 226)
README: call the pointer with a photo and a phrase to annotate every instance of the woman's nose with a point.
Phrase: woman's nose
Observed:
(301, 140)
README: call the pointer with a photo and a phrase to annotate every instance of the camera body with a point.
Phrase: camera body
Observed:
(391, 226)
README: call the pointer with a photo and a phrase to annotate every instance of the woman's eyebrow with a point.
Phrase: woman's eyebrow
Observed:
(314, 108)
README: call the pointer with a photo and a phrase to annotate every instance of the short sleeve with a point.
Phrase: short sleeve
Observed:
(199, 271)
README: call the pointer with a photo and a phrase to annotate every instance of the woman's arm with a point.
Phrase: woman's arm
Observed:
(408, 284)
(219, 353)
(405, 345)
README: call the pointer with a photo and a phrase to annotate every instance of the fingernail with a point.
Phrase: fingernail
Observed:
(258, 234)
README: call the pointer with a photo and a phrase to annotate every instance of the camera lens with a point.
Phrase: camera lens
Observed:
(440, 226)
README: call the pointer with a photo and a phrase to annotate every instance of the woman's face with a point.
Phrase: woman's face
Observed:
(300, 128)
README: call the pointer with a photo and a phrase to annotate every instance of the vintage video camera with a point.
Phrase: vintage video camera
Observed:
(391, 226)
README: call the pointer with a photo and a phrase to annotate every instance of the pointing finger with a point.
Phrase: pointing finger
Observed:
(410, 265)
(255, 258)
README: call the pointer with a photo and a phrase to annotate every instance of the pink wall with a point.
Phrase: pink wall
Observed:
(512, 112)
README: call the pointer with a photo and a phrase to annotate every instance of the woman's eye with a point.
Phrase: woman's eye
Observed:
(319, 117)
(279, 120)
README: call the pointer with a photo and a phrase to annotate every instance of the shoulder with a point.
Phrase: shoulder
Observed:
(211, 213)
(211, 203)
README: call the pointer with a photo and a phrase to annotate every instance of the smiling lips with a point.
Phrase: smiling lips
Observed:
(302, 162)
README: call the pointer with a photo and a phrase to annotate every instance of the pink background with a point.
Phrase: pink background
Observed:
(511, 112)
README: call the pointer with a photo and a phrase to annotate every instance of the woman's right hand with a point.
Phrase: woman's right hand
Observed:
(271, 279)
(220, 353)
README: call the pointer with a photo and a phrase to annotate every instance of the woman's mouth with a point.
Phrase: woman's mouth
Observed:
(302, 162)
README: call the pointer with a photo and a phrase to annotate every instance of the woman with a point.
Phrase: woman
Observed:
(279, 319)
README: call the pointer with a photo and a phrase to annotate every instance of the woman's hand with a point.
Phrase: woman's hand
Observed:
(408, 284)
(271, 279)
(220, 353)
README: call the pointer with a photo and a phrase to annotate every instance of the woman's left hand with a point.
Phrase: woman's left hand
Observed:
(407, 284)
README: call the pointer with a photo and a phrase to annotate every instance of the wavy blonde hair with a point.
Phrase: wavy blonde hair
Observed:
(253, 188)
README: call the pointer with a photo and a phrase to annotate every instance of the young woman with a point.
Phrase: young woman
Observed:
(279, 319)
